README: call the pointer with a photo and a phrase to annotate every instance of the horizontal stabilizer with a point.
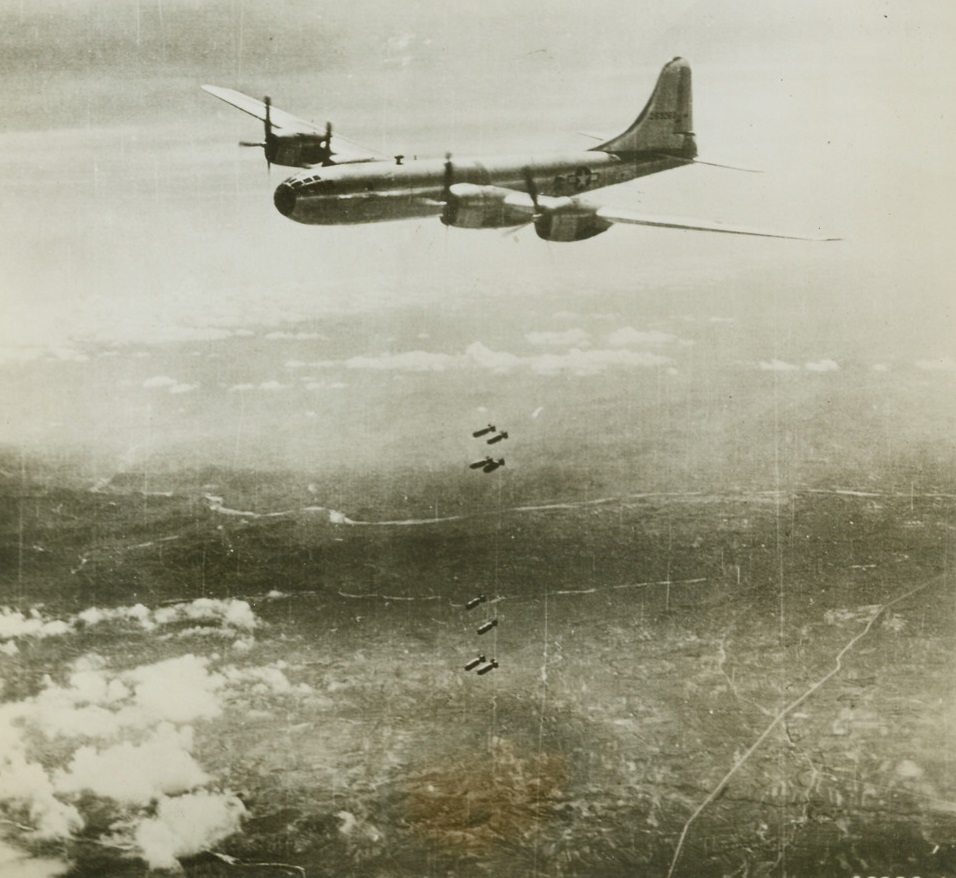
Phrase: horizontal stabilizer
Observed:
(723, 165)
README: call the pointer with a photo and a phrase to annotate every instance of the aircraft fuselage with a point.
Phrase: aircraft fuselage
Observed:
(379, 191)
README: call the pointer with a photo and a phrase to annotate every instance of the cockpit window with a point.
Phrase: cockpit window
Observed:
(314, 182)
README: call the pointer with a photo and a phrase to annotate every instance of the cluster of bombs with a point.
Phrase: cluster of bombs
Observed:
(480, 664)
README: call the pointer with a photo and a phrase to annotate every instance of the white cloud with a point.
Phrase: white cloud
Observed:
(183, 388)
(322, 385)
(20, 354)
(151, 768)
(165, 334)
(409, 361)
(399, 42)
(27, 784)
(98, 704)
(568, 338)
(138, 613)
(230, 617)
(480, 356)
(486, 358)
(13, 623)
(231, 613)
(578, 362)
(822, 366)
(592, 362)
(135, 773)
(777, 366)
(942, 364)
(295, 336)
(186, 825)
(178, 690)
(68, 355)
(880, 367)
(267, 386)
(629, 336)
(20, 864)
(160, 381)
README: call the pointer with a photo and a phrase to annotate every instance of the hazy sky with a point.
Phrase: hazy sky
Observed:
(133, 220)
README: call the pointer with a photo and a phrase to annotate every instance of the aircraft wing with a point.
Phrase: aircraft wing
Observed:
(343, 149)
(521, 201)
(633, 217)
(255, 107)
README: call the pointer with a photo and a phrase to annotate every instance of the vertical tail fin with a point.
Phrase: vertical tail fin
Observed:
(666, 124)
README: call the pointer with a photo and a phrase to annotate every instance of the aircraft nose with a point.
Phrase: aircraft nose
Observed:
(284, 199)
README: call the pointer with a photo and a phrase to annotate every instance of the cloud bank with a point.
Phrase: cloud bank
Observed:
(580, 360)
(125, 738)
(825, 365)
(230, 617)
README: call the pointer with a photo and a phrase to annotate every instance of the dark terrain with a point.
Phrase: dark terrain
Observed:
(645, 643)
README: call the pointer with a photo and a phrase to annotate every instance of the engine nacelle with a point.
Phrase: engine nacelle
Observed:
(469, 206)
(298, 150)
(569, 224)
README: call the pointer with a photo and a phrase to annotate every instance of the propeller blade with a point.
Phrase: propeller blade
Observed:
(513, 230)
(252, 143)
(328, 145)
(532, 187)
(268, 130)
(449, 177)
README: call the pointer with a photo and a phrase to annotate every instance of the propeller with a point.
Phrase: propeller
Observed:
(450, 210)
(449, 177)
(532, 189)
(268, 131)
(327, 145)
(266, 144)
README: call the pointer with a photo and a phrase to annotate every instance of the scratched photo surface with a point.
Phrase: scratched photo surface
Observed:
(260, 616)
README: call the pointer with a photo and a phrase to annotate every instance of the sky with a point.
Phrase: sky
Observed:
(143, 256)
